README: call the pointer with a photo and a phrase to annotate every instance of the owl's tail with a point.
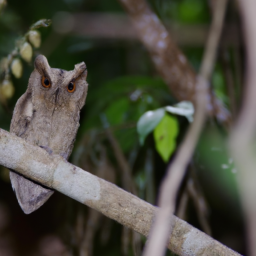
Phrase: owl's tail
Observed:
(30, 195)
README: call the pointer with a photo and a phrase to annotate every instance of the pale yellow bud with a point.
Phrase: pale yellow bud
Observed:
(17, 68)
(4, 63)
(7, 89)
(34, 38)
(26, 52)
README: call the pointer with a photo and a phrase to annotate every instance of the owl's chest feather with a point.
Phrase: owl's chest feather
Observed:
(55, 129)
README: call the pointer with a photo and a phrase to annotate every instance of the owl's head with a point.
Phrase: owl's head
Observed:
(56, 87)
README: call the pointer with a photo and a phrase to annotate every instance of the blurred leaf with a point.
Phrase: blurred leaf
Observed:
(116, 111)
(216, 166)
(165, 136)
(127, 84)
(11, 20)
(191, 11)
(127, 138)
(80, 47)
(184, 108)
(148, 122)
(140, 180)
(131, 97)
(218, 82)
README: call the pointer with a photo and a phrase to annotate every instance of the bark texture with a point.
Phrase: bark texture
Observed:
(169, 61)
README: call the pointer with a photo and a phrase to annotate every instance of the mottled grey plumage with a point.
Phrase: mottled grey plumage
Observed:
(49, 118)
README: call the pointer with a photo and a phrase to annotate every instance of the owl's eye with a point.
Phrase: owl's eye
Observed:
(46, 82)
(71, 87)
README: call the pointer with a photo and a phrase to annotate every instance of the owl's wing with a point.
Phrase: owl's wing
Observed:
(22, 115)
(29, 194)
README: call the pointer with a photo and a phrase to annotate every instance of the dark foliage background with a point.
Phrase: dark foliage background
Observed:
(123, 85)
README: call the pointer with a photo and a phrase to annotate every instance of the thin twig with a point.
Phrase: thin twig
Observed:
(168, 192)
(193, 191)
(126, 174)
(229, 77)
(183, 203)
(127, 180)
(242, 139)
(200, 205)
(128, 184)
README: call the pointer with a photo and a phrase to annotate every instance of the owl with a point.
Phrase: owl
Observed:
(47, 115)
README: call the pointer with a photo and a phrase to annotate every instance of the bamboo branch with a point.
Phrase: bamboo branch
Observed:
(169, 61)
(53, 171)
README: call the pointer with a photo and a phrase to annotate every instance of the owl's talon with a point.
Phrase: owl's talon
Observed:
(64, 155)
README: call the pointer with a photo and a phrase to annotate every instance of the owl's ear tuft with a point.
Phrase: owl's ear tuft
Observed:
(81, 70)
(41, 65)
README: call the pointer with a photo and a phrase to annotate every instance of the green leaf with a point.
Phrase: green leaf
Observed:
(183, 108)
(165, 136)
(148, 122)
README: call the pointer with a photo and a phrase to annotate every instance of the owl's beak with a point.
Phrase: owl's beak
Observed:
(56, 95)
